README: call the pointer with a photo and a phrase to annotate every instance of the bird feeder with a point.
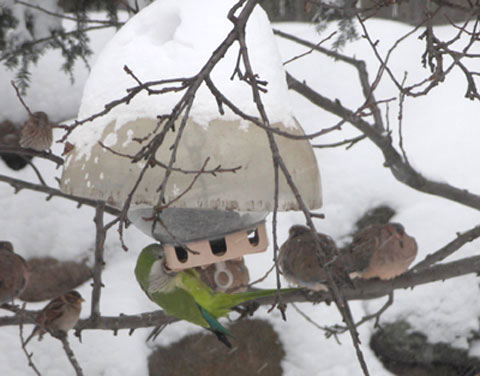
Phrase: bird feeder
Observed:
(220, 216)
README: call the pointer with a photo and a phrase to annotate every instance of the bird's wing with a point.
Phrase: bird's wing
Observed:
(361, 250)
(51, 312)
(179, 303)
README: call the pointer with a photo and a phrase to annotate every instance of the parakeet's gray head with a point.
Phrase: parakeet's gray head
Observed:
(151, 270)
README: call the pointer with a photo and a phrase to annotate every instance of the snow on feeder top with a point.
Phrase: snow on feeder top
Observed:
(174, 39)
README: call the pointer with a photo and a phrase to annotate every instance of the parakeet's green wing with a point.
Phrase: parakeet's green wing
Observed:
(216, 303)
(177, 301)
(180, 303)
(142, 269)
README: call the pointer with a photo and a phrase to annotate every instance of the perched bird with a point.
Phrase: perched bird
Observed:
(10, 136)
(301, 265)
(59, 315)
(226, 276)
(184, 295)
(14, 273)
(381, 251)
(37, 132)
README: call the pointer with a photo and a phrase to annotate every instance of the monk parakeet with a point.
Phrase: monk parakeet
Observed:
(184, 295)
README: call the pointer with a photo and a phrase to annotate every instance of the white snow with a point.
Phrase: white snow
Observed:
(41, 22)
(168, 39)
(51, 89)
(441, 138)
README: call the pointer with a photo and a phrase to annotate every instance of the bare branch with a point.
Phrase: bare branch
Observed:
(19, 96)
(364, 289)
(393, 160)
(65, 17)
(29, 356)
(449, 249)
(338, 298)
(18, 185)
(40, 154)
(350, 142)
(99, 264)
(70, 355)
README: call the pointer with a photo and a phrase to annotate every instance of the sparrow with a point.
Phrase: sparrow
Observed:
(380, 251)
(300, 262)
(229, 276)
(37, 132)
(185, 296)
(59, 315)
(14, 273)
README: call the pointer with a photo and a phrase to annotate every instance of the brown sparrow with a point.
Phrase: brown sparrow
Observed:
(300, 263)
(60, 315)
(14, 273)
(37, 132)
(381, 251)
(229, 276)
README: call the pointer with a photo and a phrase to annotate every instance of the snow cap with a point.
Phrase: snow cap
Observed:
(168, 40)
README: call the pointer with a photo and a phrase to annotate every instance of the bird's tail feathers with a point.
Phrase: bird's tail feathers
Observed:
(223, 338)
(213, 324)
(241, 297)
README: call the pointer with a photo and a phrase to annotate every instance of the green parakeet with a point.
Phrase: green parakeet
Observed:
(184, 295)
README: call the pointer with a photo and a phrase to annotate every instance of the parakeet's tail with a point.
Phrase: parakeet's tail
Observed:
(239, 298)
(220, 331)
(222, 338)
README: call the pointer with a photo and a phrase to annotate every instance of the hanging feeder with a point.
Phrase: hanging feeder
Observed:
(222, 215)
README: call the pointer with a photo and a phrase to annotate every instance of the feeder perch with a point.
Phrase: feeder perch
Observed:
(221, 215)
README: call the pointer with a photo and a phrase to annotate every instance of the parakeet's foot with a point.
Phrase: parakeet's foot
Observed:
(247, 309)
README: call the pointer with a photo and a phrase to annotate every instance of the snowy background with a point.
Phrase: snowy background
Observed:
(441, 136)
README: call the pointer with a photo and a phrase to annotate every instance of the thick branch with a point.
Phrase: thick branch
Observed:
(364, 289)
(99, 262)
(41, 154)
(449, 249)
(402, 171)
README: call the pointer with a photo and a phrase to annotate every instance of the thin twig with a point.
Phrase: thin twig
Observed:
(326, 329)
(261, 279)
(350, 142)
(70, 354)
(20, 315)
(339, 329)
(309, 51)
(18, 185)
(65, 17)
(37, 172)
(449, 249)
(19, 96)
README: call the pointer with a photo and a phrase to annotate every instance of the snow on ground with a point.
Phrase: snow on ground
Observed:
(440, 139)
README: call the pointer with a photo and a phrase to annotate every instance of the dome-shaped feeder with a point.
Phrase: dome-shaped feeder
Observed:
(221, 215)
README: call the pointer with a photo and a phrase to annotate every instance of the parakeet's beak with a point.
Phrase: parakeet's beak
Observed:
(166, 269)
